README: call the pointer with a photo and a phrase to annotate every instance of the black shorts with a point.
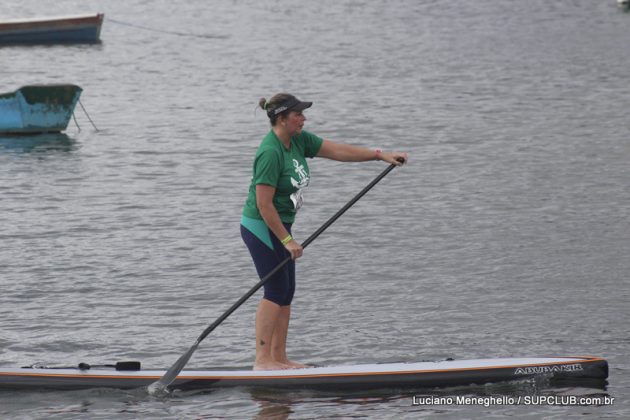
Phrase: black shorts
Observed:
(281, 287)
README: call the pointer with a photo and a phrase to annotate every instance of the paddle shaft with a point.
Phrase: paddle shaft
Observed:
(279, 267)
(173, 371)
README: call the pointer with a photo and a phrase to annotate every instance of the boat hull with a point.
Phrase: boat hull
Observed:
(357, 377)
(38, 109)
(71, 29)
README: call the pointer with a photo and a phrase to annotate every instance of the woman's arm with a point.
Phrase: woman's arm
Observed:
(348, 153)
(264, 202)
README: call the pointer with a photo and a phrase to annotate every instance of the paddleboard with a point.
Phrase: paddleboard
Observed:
(366, 376)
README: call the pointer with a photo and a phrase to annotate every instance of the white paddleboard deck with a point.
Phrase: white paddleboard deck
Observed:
(385, 375)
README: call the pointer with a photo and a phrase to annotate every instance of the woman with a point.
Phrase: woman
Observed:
(275, 194)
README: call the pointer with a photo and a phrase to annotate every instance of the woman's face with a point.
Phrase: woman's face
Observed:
(294, 122)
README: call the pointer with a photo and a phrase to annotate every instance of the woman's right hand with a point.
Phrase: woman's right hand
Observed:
(294, 248)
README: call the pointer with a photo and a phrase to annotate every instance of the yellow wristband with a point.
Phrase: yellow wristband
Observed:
(287, 240)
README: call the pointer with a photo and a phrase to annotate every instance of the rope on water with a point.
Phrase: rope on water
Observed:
(74, 117)
(88, 115)
(146, 28)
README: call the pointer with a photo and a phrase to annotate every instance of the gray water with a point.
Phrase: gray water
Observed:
(507, 234)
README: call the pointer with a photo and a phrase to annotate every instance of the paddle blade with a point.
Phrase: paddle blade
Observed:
(160, 387)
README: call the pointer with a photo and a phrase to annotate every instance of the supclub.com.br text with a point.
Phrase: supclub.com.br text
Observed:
(488, 401)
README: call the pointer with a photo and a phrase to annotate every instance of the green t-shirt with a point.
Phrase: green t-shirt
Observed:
(284, 169)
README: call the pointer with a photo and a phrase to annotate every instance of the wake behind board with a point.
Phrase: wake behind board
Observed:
(367, 376)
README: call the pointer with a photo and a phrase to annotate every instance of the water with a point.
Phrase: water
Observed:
(507, 234)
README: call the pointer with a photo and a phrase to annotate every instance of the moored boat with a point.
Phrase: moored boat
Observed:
(335, 378)
(52, 30)
(38, 108)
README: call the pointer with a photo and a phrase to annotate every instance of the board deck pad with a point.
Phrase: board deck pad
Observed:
(364, 376)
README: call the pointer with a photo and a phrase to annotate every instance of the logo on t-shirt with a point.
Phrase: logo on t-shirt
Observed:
(302, 182)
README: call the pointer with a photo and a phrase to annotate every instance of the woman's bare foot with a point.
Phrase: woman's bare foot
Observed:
(293, 365)
(296, 365)
(271, 365)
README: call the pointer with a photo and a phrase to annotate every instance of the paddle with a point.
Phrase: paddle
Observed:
(170, 375)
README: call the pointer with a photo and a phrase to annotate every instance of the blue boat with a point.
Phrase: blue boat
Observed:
(52, 30)
(38, 109)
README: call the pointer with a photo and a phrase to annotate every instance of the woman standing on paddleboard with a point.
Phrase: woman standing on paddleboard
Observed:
(280, 174)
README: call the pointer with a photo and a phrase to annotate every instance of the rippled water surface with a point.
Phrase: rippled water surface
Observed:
(508, 233)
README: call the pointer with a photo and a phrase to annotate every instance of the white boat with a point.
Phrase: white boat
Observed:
(52, 30)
